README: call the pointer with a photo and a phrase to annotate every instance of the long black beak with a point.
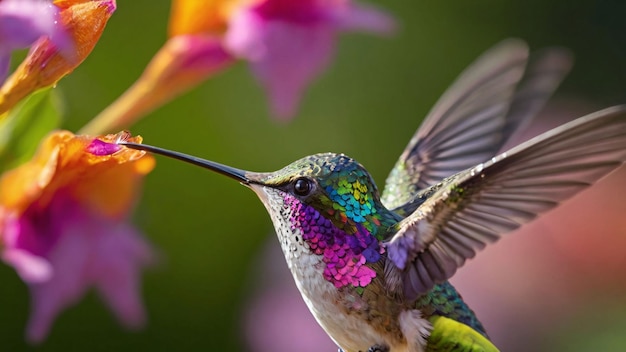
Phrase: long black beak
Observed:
(237, 174)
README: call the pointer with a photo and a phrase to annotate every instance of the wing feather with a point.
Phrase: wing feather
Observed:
(477, 206)
(493, 98)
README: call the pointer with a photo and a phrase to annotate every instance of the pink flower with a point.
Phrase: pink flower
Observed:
(289, 42)
(286, 42)
(63, 227)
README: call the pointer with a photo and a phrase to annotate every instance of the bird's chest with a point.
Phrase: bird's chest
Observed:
(339, 313)
(353, 322)
(343, 315)
(339, 285)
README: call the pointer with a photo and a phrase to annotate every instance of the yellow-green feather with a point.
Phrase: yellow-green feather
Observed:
(451, 336)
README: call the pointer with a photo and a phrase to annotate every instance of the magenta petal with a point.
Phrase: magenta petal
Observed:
(101, 148)
(124, 254)
(31, 268)
(200, 53)
(73, 249)
(285, 56)
(65, 288)
(96, 253)
(245, 35)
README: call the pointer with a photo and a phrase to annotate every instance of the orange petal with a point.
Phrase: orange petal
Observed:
(44, 64)
(201, 16)
(106, 183)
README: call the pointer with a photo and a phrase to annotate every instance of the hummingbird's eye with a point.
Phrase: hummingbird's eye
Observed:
(302, 186)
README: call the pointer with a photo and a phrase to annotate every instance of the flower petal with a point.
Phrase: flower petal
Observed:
(92, 251)
(200, 16)
(31, 268)
(100, 148)
(61, 160)
(285, 56)
(121, 254)
(68, 258)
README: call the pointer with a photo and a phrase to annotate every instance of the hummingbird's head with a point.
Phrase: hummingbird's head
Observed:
(335, 185)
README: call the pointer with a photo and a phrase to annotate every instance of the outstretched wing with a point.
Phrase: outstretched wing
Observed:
(493, 97)
(475, 207)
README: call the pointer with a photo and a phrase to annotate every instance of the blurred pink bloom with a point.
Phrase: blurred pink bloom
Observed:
(286, 42)
(63, 227)
(22, 22)
(289, 42)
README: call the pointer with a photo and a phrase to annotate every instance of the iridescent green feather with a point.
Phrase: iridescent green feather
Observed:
(347, 193)
(444, 300)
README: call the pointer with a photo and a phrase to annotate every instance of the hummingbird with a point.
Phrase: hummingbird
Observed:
(373, 268)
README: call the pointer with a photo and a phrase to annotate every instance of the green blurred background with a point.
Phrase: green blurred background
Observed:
(209, 230)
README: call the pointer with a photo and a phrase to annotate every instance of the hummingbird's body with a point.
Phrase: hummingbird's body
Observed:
(372, 268)
(339, 234)
(311, 244)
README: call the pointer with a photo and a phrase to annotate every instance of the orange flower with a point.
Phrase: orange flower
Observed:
(45, 64)
(63, 225)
